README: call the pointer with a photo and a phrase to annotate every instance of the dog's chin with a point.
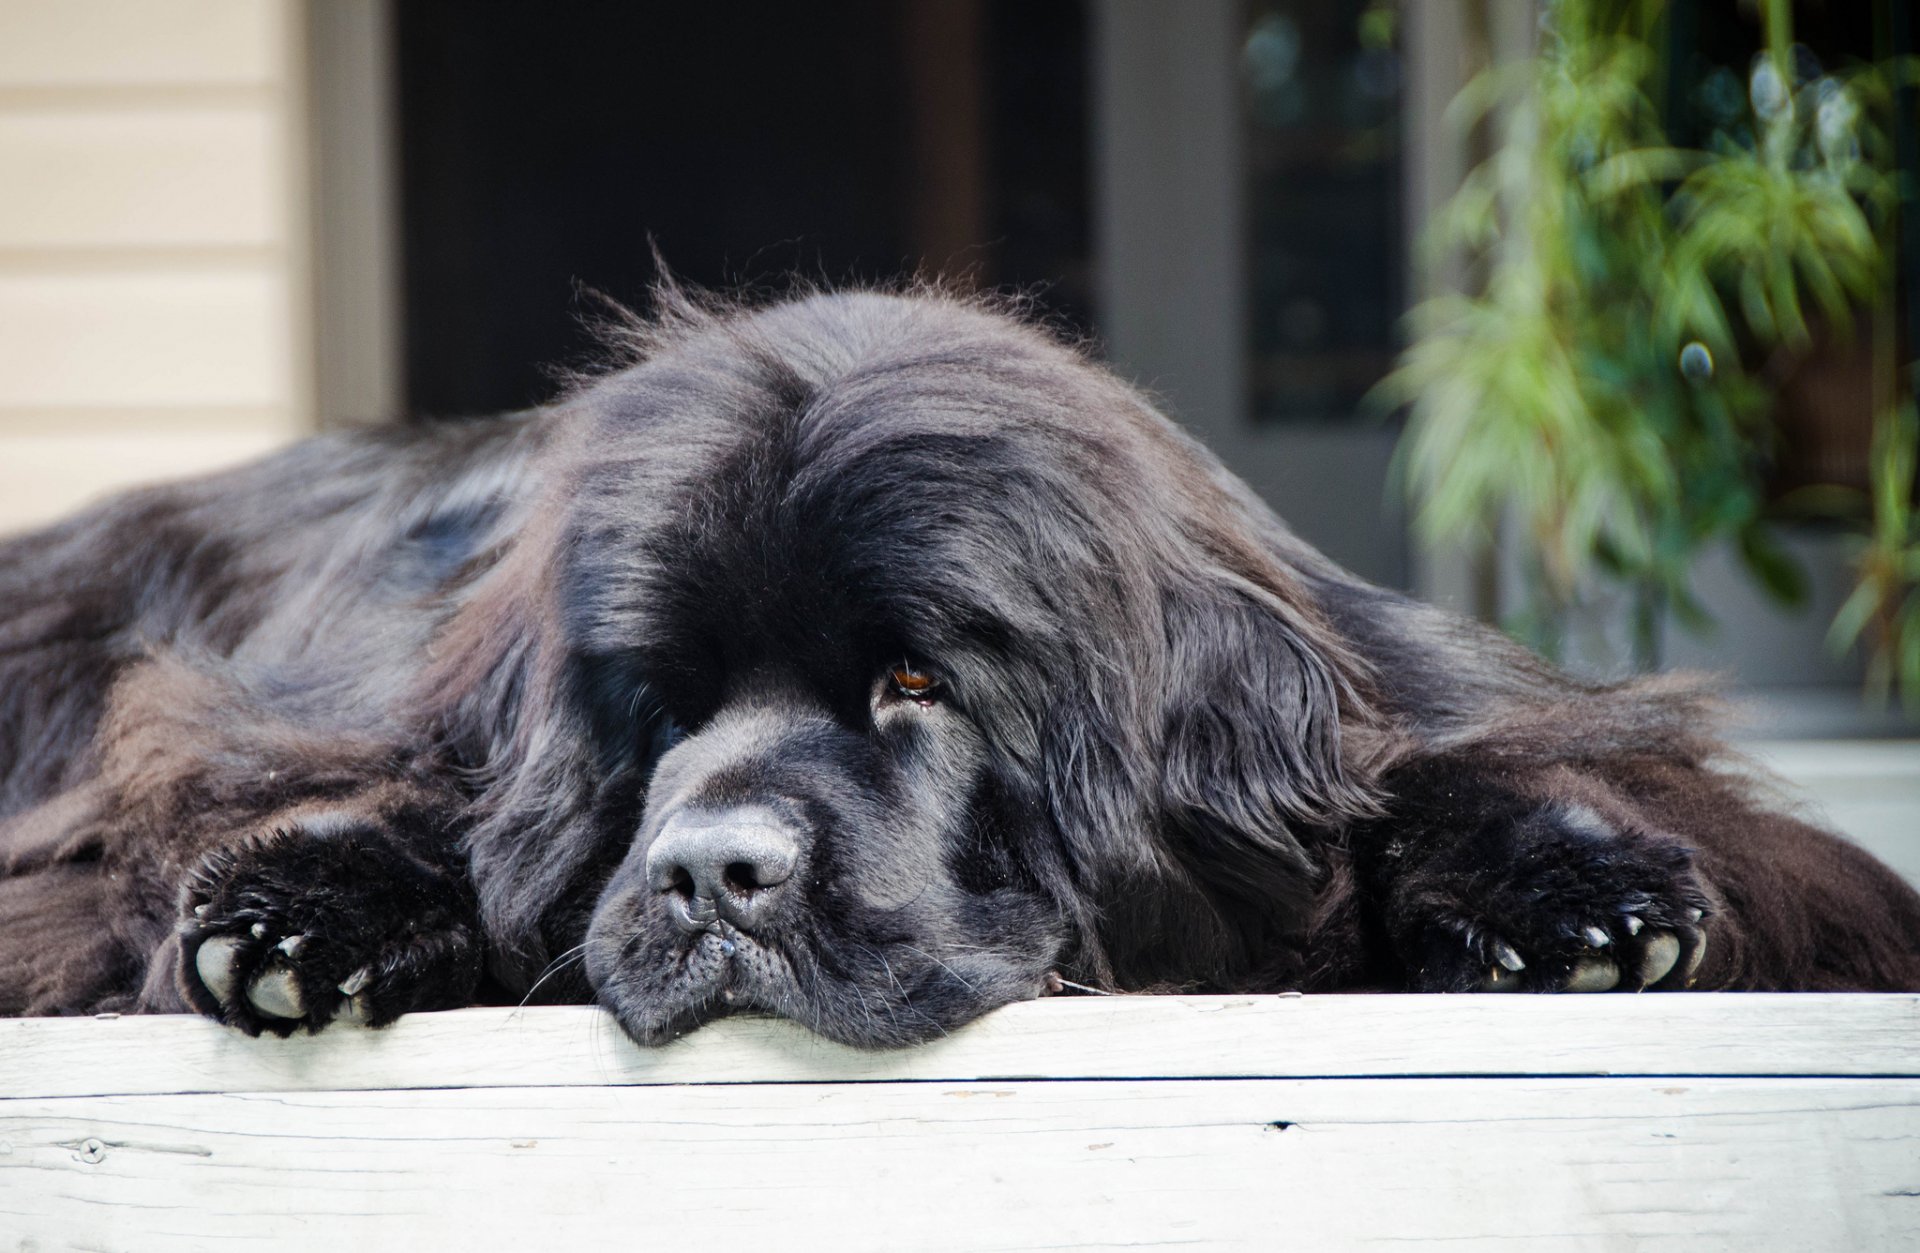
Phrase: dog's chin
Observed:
(660, 991)
(710, 975)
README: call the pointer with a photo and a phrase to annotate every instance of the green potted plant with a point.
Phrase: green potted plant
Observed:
(1605, 397)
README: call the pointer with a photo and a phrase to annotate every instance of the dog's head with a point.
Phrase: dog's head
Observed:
(904, 658)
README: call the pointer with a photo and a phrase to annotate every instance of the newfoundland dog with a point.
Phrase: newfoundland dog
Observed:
(868, 659)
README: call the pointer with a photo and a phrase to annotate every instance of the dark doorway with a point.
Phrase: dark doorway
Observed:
(543, 146)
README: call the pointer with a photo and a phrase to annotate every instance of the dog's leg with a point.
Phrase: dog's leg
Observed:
(1535, 879)
(356, 909)
(250, 867)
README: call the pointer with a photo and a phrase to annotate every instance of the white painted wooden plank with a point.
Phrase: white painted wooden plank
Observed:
(1707, 1164)
(45, 476)
(158, 338)
(1059, 1038)
(62, 43)
(200, 177)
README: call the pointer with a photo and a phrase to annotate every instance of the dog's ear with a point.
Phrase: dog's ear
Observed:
(509, 706)
(1185, 779)
(1252, 698)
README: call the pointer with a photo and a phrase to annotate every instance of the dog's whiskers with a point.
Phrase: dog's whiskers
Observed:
(572, 956)
(949, 969)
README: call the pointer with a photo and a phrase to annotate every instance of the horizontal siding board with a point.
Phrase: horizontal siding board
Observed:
(146, 339)
(43, 476)
(1058, 1038)
(65, 43)
(92, 423)
(1256, 1164)
(201, 178)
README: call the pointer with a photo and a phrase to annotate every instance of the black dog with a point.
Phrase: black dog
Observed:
(871, 660)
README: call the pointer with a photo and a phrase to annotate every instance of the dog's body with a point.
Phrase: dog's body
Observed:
(865, 659)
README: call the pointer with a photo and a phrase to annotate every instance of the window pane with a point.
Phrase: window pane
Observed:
(1321, 92)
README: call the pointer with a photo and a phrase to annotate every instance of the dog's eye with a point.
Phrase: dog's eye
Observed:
(906, 681)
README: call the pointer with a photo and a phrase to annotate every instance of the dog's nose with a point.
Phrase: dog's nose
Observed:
(731, 864)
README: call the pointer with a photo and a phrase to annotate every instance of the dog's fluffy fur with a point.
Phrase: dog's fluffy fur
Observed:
(393, 720)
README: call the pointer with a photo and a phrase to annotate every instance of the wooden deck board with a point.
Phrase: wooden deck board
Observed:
(1704, 1122)
(1196, 1037)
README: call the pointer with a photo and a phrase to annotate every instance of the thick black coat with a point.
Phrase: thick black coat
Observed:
(869, 659)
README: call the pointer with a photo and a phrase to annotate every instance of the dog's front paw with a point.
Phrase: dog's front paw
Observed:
(1560, 901)
(325, 921)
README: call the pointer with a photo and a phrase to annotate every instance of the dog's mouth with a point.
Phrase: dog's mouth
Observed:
(864, 994)
(719, 972)
(723, 972)
(874, 978)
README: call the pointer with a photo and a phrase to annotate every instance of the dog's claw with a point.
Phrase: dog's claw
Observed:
(355, 982)
(1697, 956)
(1593, 975)
(292, 946)
(1634, 924)
(275, 992)
(215, 963)
(1596, 938)
(1506, 955)
(1662, 952)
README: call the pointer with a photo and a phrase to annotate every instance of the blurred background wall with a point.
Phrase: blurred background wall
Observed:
(224, 223)
(154, 224)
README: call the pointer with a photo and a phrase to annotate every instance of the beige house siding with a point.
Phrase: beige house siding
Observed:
(154, 277)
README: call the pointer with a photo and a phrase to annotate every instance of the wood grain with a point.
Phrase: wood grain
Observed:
(1254, 1164)
(1060, 1038)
